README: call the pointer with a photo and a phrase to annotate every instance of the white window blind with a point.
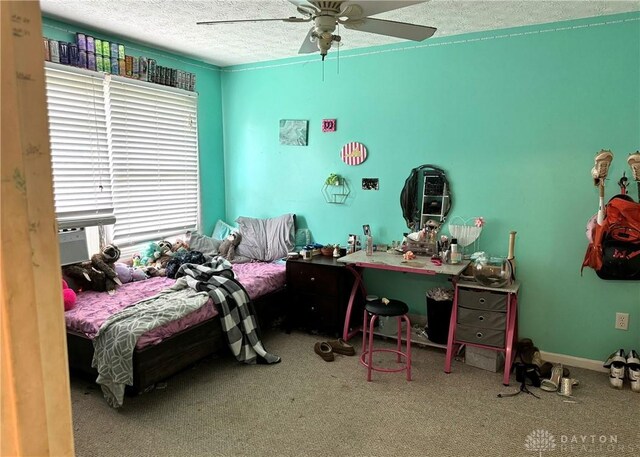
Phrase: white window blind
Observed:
(153, 141)
(79, 149)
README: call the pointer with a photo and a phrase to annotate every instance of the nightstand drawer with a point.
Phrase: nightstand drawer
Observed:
(475, 334)
(313, 279)
(482, 299)
(482, 318)
(319, 312)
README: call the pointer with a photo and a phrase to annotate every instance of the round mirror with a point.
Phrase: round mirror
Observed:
(426, 196)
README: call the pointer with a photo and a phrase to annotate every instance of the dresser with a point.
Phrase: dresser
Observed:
(319, 291)
(484, 317)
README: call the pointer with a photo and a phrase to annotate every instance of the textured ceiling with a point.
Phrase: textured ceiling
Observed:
(171, 24)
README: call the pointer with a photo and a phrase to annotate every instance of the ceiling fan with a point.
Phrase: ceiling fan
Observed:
(328, 14)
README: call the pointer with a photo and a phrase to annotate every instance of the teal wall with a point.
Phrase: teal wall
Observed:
(209, 113)
(514, 116)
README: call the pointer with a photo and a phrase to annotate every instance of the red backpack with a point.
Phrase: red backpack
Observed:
(615, 250)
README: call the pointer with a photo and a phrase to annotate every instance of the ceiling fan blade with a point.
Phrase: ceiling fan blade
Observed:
(391, 28)
(309, 44)
(284, 19)
(371, 7)
(304, 7)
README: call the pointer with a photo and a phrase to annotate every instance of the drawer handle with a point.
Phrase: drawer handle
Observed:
(479, 334)
(482, 301)
(480, 318)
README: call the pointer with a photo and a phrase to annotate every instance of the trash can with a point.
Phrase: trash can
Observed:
(439, 305)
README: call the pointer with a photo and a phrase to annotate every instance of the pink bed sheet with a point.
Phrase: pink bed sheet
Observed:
(94, 308)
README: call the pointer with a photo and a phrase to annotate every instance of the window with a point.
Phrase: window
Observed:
(123, 147)
(153, 140)
(79, 151)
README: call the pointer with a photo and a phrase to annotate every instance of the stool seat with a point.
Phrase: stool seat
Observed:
(393, 308)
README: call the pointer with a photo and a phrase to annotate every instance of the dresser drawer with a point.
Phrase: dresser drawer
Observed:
(319, 313)
(312, 279)
(482, 318)
(478, 335)
(482, 299)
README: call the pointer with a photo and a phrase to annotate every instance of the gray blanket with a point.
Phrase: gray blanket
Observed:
(232, 301)
(117, 337)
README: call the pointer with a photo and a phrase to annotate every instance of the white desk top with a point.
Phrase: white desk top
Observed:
(395, 262)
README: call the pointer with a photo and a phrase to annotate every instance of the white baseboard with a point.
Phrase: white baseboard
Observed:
(579, 362)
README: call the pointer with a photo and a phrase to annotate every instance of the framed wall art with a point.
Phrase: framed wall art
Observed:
(294, 132)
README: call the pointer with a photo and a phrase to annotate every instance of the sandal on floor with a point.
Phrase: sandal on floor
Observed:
(340, 346)
(324, 350)
(552, 384)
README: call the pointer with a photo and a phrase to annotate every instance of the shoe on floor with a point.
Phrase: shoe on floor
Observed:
(616, 363)
(340, 346)
(324, 350)
(601, 168)
(633, 370)
(552, 384)
(546, 367)
(634, 162)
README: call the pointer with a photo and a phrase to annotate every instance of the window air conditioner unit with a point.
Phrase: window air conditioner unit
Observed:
(73, 245)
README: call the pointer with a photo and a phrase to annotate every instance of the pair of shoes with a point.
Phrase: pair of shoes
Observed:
(601, 168)
(634, 162)
(328, 349)
(618, 363)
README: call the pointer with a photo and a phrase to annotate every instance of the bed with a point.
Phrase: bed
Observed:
(174, 346)
(170, 348)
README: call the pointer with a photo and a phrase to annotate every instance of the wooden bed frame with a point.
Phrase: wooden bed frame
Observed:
(157, 362)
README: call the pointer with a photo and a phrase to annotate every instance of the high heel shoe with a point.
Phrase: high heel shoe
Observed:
(552, 384)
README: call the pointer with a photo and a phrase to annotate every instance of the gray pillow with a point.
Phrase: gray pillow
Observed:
(204, 244)
(266, 239)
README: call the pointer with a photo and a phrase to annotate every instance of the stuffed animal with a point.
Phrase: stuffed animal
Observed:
(227, 248)
(104, 262)
(136, 260)
(129, 274)
(150, 254)
(84, 276)
(180, 246)
(68, 296)
(166, 254)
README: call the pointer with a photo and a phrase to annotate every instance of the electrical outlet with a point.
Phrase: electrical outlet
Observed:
(622, 321)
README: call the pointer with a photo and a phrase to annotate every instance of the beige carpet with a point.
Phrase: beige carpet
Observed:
(305, 406)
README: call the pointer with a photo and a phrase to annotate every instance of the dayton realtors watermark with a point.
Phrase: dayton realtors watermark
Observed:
(543, 441)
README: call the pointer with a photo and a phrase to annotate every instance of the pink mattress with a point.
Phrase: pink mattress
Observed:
(94, 308)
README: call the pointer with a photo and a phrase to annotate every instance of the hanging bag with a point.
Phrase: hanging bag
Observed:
(614, 252)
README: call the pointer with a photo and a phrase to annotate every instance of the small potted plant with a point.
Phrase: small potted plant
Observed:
(332, 180)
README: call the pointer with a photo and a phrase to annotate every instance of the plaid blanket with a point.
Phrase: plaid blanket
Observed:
(216, 278)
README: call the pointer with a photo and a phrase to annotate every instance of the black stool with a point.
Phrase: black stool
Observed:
(386, 308)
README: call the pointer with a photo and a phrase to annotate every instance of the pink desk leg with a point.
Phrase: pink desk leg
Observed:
(452, 331)
(511, 330)
(357, 284)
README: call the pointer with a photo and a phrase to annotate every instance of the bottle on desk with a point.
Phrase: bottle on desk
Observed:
(369, 250)
(455, 254)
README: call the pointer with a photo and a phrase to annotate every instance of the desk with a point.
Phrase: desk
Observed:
(391, 262)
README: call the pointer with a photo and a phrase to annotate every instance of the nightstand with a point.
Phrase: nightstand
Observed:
(319, 291)
(484, 317)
